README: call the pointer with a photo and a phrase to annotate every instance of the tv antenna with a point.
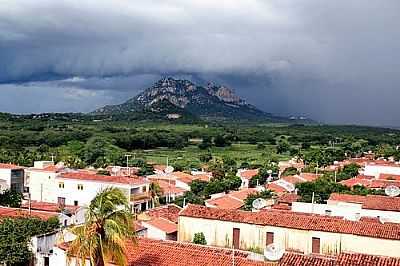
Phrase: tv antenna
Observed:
(273, 252)
(392, 191)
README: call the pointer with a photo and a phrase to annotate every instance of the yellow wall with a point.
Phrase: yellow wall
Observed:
(219, 233)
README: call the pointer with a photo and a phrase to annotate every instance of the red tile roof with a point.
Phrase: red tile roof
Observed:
(6, 212)
(49, 207)
(299, 221)
(162, 224)
(149, 252)
(288, 198)
(348, 259)
(188, 178)
(226, 202)
(10, 166)
(172, 253)
(242, 194)
(105, 179)
(296, 259)
(249, 173)
(293, 179)
(276, 188)
(373, 202)
(389, 177)
(169, 212)
(167, 187)
(310, 176)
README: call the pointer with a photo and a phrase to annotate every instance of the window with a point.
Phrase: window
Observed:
(75, 203)
(61, 202)
(80, 187)
(316, 244)
(236, 238)
(61, 185)
(144, 189)
(49, 177)
(270, 238)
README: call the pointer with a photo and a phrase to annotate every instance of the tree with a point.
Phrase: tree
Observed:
(15, 235)
(199, 238)
(248, 202)
(189, 197)
(108, 226)
(197, 186)
(221, 141)
(155, 193)
(11, 198)
(282, 146)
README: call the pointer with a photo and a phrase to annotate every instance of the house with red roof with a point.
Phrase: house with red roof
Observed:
(245, 175)
(232, 201)
(58, 185)
(303, 232)
(11, 177)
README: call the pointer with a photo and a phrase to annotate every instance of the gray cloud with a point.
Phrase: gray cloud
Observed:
(336, 61)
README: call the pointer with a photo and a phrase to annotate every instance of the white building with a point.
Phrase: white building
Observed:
(375, 170)
(11, 177)
(77, 188)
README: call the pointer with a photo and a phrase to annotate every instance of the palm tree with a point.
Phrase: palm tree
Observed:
(108, 226)
(155, 193)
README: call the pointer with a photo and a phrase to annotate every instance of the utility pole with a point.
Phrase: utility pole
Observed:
(312, 203)
(127, 163)
(52, 157)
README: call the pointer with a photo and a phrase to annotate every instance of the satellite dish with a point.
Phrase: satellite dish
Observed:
(259, 203)
(392, 191)
(273, 252)
(169, 169)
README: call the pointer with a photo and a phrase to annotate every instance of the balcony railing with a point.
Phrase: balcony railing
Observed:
(140, 196)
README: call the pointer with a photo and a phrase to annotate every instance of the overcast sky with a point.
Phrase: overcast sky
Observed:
(334, 61)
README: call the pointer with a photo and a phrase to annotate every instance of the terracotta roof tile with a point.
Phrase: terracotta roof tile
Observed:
(47, 206)
(105, 179)
(347, 259)
(162, 224)
(299, 221)
(389, 177)
(226, 202)
(169, 187)
(15, 212)
(373, 202)
(288, 198)
(10, 166)
(248, 173)
(306, 260)
(169, 212)
(242, 194)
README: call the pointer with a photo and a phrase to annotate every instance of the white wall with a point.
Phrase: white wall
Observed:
(42, 185)
(5, 174)
(375, 170)
(219, 233)
(154, 232)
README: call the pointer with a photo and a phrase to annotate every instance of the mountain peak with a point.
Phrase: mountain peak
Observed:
(169, 95)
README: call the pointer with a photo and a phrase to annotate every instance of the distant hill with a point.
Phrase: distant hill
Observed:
(175, 99)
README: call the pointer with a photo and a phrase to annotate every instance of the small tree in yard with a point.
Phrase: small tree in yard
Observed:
(199, 238)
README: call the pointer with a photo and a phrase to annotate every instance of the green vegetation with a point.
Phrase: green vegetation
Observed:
(80, 141)
(11, 198)
(199, 238)
(15, 235)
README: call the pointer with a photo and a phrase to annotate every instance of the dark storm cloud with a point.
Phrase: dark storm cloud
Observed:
(335, 61)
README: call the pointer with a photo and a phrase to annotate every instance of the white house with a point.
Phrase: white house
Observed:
(64, 187)
(305, 233)
(375, 170)
(11, 177)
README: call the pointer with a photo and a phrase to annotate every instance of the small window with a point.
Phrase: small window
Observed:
(316, 244)
(80, 187)
(61, 185)
(49, 177)
(236, 238)
(144, 189)
(75, 203)
(270, 238)
(328, 212)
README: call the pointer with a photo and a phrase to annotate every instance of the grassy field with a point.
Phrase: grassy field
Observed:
(240, 152)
